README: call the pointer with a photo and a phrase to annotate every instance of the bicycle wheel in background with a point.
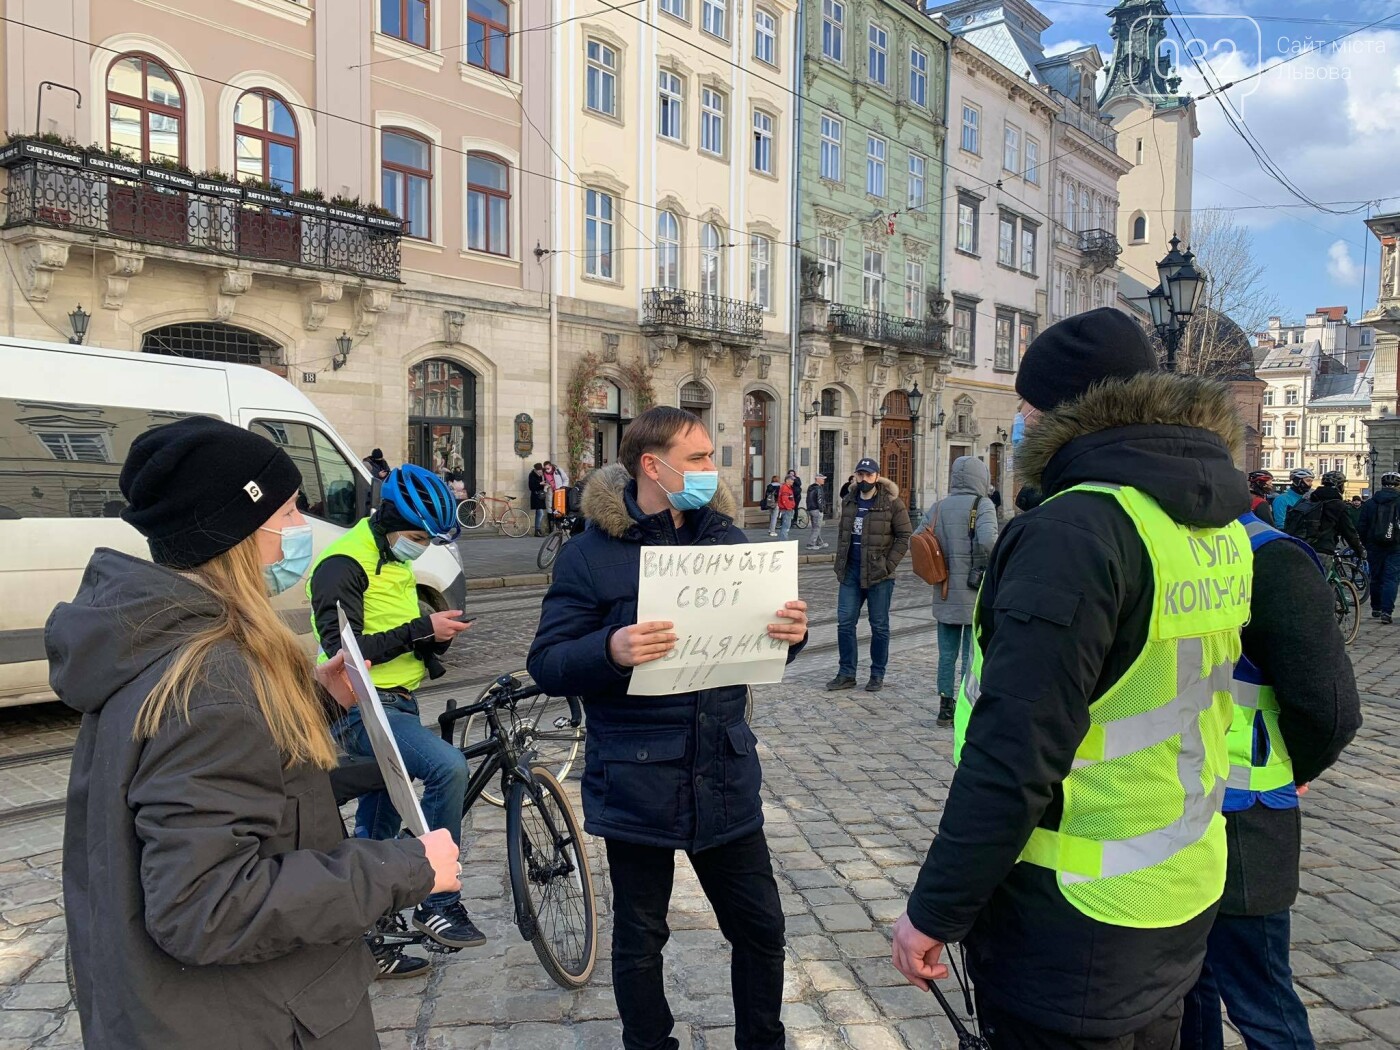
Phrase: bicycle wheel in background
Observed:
(471, 514)
(549, 549)
(1348, 609)
(800, 519)
(514, 523)
(542, 723)
(1360, 576)
(550, 879)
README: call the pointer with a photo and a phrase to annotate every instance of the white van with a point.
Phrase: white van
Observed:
(68, 416)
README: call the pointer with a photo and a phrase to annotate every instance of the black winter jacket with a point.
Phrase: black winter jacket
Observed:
(211, 897)
(1367, 523)
(818, 498)
(1063, 614)
(1336, 522)
(678, 771)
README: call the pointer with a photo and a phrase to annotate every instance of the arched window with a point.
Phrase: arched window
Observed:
(488, 31)
(213, 341)
(145, 109)
(265, 139)
(442, 418)
(668, 250)
(488, 204)
(406, 180)
(1140, 227)
(711, 267)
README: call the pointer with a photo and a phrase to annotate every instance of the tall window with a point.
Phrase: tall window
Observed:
(1025, 333)
(1032, 161)
(964, 331)
(1341, 435)
(829, 258)
(1027, 248)
(875, 166)
(488, 31)
(1268, 397)
(1006, 240)
(877, 57)
(600, 81)
(765, 36)
(405, 19)
(668, 250)
(1290, 428)
(1002, 358)
(406, 180)
(1290, 396)
(971, 128)
(712, 121)
(265, 140)
(488, 204)
(1140, 228)
(712, 18)
(1290, 460)
(872, 290)
(1071, 217)
(914, 290)
(831, 149)
(711, 273)
(834, 30)
(918, 77)
(1266, 460)
(1011, 148)
(761, 271)
(1323, 434)
(1266, 427)
(145, 109)
(674, 7)
(918, 167)
(598, 234)
(762, 142)
(670, 118)
(967, 225)
(1084, 214)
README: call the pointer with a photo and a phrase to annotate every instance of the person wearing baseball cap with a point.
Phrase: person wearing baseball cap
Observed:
(1081, 852)
(871, 542)
(211, 896)
(818, 507)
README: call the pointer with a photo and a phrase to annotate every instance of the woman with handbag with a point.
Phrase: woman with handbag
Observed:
(965, 523)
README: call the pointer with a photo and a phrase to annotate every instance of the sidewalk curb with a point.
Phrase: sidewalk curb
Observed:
(542, 579)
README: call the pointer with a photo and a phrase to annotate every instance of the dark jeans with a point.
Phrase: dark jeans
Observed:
(954, 642)
(427, 757)
(1385, 577)
(1247, 966)
(738, 881)
(1007, 1032)
(540, 513)
(848, 602)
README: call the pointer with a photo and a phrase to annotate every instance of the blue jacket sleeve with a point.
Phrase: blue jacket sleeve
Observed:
(1281, 506)
(569, 656)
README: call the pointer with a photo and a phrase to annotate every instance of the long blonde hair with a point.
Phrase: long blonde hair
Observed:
(279, 673)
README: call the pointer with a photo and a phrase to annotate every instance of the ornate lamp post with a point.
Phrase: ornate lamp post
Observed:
(1373, 457)
(1176, 298)
(916, 402)
(79, 319)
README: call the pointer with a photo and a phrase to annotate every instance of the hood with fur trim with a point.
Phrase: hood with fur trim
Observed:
(1171, 436)
(883, 487)
(610, 503)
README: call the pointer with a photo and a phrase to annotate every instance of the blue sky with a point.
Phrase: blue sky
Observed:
(1329, 119)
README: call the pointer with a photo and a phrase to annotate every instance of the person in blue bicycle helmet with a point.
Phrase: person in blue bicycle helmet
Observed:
(369, 573)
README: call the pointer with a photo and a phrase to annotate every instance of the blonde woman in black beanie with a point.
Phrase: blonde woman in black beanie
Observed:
(211, 897)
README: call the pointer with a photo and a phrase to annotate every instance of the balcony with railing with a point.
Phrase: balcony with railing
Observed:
(1091, 124)
(871, 327)
(692, 314)
(101, 197)
(1100, 248)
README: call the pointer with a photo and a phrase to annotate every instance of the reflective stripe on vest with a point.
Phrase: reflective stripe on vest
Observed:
(1141, 840)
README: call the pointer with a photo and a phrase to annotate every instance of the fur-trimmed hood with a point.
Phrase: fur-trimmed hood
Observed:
(883, 487)
(610, 504)
(1174, 437)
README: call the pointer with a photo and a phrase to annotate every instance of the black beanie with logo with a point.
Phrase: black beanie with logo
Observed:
(1072, 355)
(199, 487)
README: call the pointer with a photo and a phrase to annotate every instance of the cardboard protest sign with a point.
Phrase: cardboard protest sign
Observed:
(386, 750)
(721, 600)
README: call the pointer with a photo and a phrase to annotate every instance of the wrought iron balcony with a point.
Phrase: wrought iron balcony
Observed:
(91, 194)
(871, 326)
(711, 316)
(1091, 124)
(1100, 247)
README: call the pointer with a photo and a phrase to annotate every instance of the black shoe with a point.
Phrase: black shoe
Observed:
(945, 710)
(1376, 614)
(874, 685)
(842, 681)
(392, 964)
(448, 924)
(1385, 618)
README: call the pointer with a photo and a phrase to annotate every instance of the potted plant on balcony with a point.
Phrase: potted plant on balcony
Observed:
(217, 184)
(309, 202)
(110, 160)
(266, 228)
(20, 148)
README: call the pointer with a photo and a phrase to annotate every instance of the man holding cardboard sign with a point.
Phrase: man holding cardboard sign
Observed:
(673, 771)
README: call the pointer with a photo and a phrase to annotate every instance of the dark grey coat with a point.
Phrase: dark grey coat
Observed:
(969, 483)
(885, 539)
(211, 896)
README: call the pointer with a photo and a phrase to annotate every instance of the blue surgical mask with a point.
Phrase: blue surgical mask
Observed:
(406, 550)
(286, 572)
(1018, 431)
(700, 487)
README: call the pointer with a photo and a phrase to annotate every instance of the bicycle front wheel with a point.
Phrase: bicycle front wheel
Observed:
(800, 520)
(514, 523)
(1348, 609)
(543, 724)
(471, 514)
(550, 879)
(1359, 576)
(549, 549)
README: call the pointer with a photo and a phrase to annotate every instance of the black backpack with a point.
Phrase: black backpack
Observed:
(1304, 520)
(1385, 527)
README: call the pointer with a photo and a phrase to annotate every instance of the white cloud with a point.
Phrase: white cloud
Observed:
(1342, 268)
(1060, 47)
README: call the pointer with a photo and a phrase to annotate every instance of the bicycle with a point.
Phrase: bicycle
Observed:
(552, 726)
(561, 530)
(1355, 568)
(800, 518)
(1346, 602)
(472, 513)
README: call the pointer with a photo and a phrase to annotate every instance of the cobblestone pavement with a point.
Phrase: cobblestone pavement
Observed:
(853, 787)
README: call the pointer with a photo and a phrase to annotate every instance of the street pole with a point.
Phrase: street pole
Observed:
(914, 454)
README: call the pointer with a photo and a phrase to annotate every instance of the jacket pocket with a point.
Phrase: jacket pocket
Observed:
(644, 775)
(743, 776)
(333, 1000)
(1026, 599)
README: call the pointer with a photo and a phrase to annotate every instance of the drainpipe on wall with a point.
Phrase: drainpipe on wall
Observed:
(943, 258)
(795, 261)
(552, 260)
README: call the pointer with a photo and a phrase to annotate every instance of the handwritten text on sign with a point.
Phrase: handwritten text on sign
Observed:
(721, 600)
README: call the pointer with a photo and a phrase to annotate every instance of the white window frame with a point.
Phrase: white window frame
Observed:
(967, 209)
(829, 259)
(1324, 432)
(1266, 460)
(1290, 460)
(1341, 435)
(763, 156)
(872, 280)
(833, 133)
(601, 263)
(765, 36)
(1011, 148)
(676, 8)
(1266, 427)
(714, 18)
(1290, 428)
(1004, 349)
(761, 271)
(971, 129)
(712, 107)
(834, 30)
(1028, 246)
(711, 260)
(1007, 247)
(670, 105)
(914, 304)
(918, 180)
(597, 72)
(876, 166)
(668, 250)
(964, 335)
(1032, 161)
(918, 77)
(877, 54)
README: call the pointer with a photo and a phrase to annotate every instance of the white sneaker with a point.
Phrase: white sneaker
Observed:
(773, 534)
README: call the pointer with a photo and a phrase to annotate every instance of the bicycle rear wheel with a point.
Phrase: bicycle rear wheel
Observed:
(471, 514)
(543, 724)
(1348, 609)
(1360, 577)
(514, 523)
(550, 879)
(549, 549)
(800, 520)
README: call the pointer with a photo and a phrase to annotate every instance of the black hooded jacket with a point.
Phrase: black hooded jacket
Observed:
(1336, 521)
(1063, 614)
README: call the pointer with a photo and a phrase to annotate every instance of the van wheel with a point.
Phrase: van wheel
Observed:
(429, 602)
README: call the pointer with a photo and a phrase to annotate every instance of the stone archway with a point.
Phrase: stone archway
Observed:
(442, 419)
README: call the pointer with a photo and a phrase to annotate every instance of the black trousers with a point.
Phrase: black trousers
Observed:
(1007, 1032)
(738, 881)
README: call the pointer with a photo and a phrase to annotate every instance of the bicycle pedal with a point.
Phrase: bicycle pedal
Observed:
(432, 947)
(562, 722)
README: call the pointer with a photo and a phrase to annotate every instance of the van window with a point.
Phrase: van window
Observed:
(60, 459)
(327, 479)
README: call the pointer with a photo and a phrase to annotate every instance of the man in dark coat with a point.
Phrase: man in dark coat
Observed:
(1332, 522)
(872, 540)
(538, 498)
(1382, 548)
(664, 773)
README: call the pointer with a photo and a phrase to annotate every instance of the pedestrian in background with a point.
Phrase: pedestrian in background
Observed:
(538, 497)
(965, 522)
(377, 464)
(846, 486)
(770, 504)
(872, 541)
(787, 507)
(818, 506)
(1380, 531)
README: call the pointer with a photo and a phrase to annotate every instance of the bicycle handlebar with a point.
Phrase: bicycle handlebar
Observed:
(506, 688)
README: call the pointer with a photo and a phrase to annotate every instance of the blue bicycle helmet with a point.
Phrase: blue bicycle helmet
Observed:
(423, 499)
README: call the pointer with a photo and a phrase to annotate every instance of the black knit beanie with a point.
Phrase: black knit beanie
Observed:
(1072, 355)
(198, 487)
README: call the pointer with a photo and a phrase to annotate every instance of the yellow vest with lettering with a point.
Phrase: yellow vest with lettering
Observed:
(1141, 840)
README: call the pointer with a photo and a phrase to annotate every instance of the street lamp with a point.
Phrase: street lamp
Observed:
(79, 320)
(1176, 298)
(343, 345)
(807, 417)
(1374, 457)
(916, 402)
